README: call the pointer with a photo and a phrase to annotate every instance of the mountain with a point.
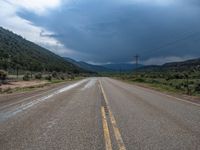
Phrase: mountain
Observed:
(122, 67)
(150, 68)
(115, 67)
(17, 52)
(126, 67)
(184, 64)
(174, 66)
(89, 67)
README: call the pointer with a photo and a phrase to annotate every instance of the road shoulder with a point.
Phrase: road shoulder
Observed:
(191, 99)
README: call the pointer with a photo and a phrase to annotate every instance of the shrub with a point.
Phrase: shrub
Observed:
(62, 77)
(27, 76)
(178, 86)
(197, 87)
(139, 80)
(178, 76)
(168, 77)
(7, 90)
(49, 77)
(76, 71)
(155, 81)
(38, 76)
(72, 77)
(55, 74)
(3, 75)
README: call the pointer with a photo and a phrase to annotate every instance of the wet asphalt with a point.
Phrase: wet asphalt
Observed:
(68, 117)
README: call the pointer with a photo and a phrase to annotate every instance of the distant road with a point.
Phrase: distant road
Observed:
(98, 114)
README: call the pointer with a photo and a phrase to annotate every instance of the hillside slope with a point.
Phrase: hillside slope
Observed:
(188, 65)
(114, 67)
(89, 67)
(124, 67)
(17, 52)
(184, 64)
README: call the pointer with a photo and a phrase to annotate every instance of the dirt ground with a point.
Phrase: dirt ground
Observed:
(22, 84)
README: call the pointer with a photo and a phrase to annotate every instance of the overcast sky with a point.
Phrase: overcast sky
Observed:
(108, 31)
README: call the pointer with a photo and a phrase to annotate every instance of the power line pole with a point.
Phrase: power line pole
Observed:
(136, 60)
(136, 63)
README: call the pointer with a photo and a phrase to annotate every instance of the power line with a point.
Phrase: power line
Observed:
(174, 42)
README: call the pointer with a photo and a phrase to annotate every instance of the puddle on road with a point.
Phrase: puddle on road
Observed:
(91, 83)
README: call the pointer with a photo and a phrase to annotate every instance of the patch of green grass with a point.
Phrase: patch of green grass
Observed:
(171, 86)
(162, 87)
(154, 85)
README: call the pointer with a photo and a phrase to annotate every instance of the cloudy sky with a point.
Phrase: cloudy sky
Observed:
(108, 31)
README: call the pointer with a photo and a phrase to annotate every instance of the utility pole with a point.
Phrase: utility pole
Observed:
(136, 60)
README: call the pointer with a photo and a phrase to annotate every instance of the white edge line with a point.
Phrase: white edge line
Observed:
(27, 98)
(41, 99)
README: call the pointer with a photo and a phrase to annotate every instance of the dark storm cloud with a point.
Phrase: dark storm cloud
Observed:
(115, 31)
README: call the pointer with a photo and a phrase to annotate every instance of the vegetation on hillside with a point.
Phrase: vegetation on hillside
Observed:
(181, 77)
(16, 53)
(171, 81)
(87, 66)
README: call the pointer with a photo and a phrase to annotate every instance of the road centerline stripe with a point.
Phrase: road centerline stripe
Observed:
(107, 138)
(117, 133)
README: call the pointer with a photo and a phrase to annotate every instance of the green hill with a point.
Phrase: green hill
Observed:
(19, 53)
(174, 77)
(108, 68)
(89, 67)
(183, 66)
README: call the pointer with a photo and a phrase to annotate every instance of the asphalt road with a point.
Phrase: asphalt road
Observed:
(98, 114)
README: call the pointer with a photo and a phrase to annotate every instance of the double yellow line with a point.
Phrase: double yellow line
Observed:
(117, 134)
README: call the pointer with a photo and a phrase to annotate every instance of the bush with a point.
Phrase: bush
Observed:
(154, 81)
(38, 76)
(49, 77)
(178, 76)
(72, 77)
(55, 75)
(8, 90)
(3, 75)
(168, 77)
(27, 76)
(197, 87)
(62, 77)
(139, 80)
(178, 86)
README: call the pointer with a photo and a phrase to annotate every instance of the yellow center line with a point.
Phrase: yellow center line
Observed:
(106, 130)
(113, 122)
(117, 132)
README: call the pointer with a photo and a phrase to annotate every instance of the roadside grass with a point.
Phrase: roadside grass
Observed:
(173, 86)
(22, 89)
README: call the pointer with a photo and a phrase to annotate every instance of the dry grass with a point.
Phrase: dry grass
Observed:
(21, 85)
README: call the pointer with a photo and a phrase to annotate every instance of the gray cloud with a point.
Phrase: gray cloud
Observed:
(115, 31)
